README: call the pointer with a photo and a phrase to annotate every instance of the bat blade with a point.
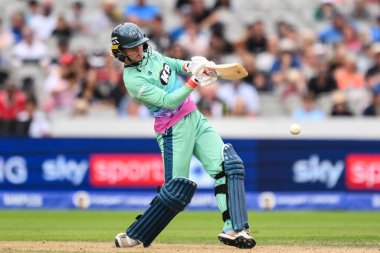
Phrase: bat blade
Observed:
(231, 71)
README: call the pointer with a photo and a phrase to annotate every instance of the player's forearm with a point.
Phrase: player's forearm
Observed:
(175, 99)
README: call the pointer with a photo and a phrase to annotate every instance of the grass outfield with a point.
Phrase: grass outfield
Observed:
(359, 229)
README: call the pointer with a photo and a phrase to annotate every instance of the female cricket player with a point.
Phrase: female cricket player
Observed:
(182, 131)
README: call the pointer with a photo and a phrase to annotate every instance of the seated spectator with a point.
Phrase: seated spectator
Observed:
(159, 39)
(325, 11)
(373, 74)
(34, 8)
(6, 40)
(256, 41)
(374, 108)
(61, 86)
(29, 50)
(241, 97)
(194, 41)
(375, 30)
(75, 18)
(351, 40)
(265, 60)
(62, 29)
(348, 76)
(225, 15)
(360, 11)
(17, 26)
(323, 81)
(293, 84)
(218, 46)
(12, 102)
(308, 109)
(44, 23)
(199, 11)
(340, 105)
(286, 58)
(107, 17)
(33, 122)
(334, 32)
(262, 82)
(141, 13)
(210, 103)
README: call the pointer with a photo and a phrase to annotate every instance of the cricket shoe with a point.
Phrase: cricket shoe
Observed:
(122, 240)
(240, 239)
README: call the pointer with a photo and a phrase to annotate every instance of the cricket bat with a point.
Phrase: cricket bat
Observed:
(231, 71)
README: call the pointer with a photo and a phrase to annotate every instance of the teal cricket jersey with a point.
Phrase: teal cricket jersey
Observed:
(158, 87)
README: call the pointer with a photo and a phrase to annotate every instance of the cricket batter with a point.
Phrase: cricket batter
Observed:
(182, 131)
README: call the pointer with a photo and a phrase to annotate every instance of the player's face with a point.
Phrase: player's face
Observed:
(135, 53)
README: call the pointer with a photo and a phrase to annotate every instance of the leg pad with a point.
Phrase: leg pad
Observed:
(173, 197)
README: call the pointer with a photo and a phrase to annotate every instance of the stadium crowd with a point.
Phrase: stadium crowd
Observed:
(309, 73)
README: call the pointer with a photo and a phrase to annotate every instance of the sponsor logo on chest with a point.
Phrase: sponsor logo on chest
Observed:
(165, 74)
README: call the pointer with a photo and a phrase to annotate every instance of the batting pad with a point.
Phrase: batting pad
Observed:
(234, 169)
(173, 197)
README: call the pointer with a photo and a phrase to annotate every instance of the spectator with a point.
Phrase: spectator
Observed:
(261, 82)
(241, 97)
(351, 39)
(6, 40)
(348, 76)
(293, 84)
(33, 10)
(180, 29)
(105, 18)
(360, 11)
(199, 11)
(373, 74)
(62, 84)
(256, 41)
(284, 62)
(308, 109)
(334, 32)
(286, 58)
(374, 108)
(227, 18)
(325, 10)
(30, 50)
(12, 102)
(62, 29)
(375, 30)
(75, 18)
(322, 82)
(218, 46)
(194, 41)
(265, 60)
(210, 103)
(141, 13)
(44, 23)
(340, 107)
(17, 25)
(158, 37)
(33, 122)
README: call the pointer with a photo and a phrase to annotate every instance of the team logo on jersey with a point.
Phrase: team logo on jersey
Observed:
(165, 74)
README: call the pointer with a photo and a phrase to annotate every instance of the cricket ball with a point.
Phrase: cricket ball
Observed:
(295, 129)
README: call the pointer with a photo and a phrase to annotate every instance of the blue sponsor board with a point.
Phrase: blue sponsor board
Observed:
(135, 200)
(306, 165)
(302, 173)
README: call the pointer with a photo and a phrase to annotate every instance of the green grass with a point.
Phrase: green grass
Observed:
(269, 228)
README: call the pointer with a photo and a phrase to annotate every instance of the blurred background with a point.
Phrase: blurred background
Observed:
(71, 137)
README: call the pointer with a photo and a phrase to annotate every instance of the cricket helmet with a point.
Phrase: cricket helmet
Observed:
(127, 35)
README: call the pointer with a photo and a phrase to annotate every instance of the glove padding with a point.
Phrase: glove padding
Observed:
(197, 68)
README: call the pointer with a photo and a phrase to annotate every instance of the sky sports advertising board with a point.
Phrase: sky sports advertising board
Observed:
(125, 173)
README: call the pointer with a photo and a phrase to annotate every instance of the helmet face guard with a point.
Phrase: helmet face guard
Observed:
(129, 35)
